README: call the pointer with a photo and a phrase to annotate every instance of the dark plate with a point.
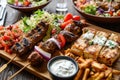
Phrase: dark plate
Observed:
(98, 19)
(29, 9)
(55, 77)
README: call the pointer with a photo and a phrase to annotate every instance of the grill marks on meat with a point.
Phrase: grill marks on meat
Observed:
(70, 33)
(36, 59)
(38, 33)
(74, 28)
(69, 36)
(33, 37)
(48, 46)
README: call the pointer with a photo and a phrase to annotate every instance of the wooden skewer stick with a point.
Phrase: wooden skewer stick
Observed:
(5, 65)
(10, 78)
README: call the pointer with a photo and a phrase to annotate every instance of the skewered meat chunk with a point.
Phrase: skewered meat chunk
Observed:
(35, 59)
(69, 36)
(48, 46)
(33, 37)
(110, 52)
(73, 28)
(38, 33)
(53, 43)
(22, 47)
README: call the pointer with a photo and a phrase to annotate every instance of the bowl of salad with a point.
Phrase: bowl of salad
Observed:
(28, 5)
(101, 11)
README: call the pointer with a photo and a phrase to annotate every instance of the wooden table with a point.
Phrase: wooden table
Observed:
(14, 15)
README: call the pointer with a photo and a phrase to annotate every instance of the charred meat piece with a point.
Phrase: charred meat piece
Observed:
(48, 46)
(80, 24)
(35, 59)
(69, 36)
(75, 27)
(26, 42)
(22, 47)
(32, 38)
(39, 32)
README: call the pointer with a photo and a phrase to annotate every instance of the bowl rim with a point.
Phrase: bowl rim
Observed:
(48, 1)
(60, 58)
(114, 17)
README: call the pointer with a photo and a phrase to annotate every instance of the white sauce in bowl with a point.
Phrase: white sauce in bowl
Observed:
(63, 68)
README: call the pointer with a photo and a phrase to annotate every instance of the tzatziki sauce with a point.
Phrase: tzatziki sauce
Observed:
(63, 68)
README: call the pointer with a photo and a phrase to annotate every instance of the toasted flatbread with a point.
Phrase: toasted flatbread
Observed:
(110, 53)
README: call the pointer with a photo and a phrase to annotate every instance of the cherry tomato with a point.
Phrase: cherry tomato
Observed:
(64, 24)
(53, 31)
(62, 40)
(3, 43)
(77, 18)
(68, 16)
(118, 13)
(5, 37)
(9, 51)
(26, 3)
(111, 13)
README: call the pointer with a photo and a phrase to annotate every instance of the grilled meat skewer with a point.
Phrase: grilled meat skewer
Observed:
(36, 59)
(33, 37)
(50, 45)
(56, 42)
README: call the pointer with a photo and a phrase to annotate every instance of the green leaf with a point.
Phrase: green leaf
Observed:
(11, 1)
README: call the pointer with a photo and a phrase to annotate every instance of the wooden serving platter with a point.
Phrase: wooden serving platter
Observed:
(42, 71)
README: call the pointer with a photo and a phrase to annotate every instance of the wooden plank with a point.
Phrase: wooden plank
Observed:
(42, 71)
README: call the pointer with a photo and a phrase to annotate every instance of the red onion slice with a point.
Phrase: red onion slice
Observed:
(43, 53)
(55, 41)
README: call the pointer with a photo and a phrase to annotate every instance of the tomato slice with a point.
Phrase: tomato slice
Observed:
(77, 18)
(64, 24)
(118, 13)
(53, 31)
(9, 51)
(62, 40)
(68, 16)
(5, 37)
(111, 13)
(3, 43)
(26, 3)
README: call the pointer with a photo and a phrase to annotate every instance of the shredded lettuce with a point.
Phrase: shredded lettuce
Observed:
(10, 1)
(38, 2)
(29, 23)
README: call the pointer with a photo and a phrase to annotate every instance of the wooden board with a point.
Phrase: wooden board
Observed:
(42, 71)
